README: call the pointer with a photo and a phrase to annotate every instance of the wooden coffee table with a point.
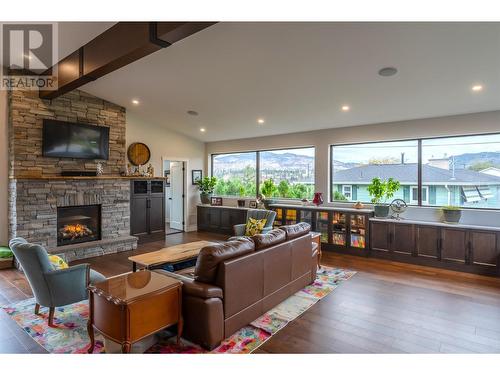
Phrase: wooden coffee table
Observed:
(168, 255)
(129, 307)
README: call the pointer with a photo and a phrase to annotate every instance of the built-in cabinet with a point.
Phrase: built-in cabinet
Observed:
(345, 230)
(220, 219)
(471, 250)
(147, 206)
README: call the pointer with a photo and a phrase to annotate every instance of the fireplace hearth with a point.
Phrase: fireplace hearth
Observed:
(76, 224)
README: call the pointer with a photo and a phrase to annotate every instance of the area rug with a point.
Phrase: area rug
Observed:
(70, 335)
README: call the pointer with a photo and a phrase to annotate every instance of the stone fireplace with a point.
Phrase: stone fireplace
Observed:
(78, 224)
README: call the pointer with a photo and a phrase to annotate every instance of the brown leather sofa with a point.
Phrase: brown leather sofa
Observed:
(235, 282)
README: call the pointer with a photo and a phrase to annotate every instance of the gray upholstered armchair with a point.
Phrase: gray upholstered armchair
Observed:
(239, 229)
(52, 288)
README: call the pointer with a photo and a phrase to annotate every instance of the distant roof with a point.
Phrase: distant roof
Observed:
(407, 173)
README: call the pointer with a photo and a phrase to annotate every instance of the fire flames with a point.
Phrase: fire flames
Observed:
(73, 231)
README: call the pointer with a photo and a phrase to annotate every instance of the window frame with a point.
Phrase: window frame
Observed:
(419, 168)
(257, 165)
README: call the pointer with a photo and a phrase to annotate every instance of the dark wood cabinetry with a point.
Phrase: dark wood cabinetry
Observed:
(147, 207)
(462, 249)
(220, 219)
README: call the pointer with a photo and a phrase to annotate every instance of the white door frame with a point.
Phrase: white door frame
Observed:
(186, 195)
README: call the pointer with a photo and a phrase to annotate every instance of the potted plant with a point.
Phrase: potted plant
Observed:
(268, 189)
(381, 191)
(206, 185)
(241, 202)
(452, 214)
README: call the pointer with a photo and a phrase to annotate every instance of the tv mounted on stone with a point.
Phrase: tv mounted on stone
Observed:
(63, 139)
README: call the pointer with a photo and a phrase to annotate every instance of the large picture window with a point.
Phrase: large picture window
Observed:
(454, 171)
(354, 167)
(236, 174)
(462, 171)
(280, 173)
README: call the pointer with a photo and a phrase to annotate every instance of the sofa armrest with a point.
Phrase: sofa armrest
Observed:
(68, 285)
(239, 229)
(201, 290)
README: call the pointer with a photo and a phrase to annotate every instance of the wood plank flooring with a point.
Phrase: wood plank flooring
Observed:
(387, 307)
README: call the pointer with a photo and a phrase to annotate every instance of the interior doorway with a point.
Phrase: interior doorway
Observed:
(175, 186)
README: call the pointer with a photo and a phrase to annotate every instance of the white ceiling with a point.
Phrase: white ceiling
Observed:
(297, 76)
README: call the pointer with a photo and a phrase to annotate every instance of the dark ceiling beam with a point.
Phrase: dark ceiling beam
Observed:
(115, 48)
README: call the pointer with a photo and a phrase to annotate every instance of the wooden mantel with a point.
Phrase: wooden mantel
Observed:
(87, 178)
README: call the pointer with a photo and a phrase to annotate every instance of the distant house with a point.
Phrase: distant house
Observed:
(441, 186)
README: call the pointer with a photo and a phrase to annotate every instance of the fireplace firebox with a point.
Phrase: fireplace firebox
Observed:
(76, 224)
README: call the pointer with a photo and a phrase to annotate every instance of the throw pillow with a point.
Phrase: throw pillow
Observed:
(254, 226)
(57, 262)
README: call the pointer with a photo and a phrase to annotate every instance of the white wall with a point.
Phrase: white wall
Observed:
(170, 145)
(485, 122)
(4, 170)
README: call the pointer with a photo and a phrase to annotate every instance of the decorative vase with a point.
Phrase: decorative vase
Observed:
(381, 210)
(452, 216)
(318, 199)
(205, 198)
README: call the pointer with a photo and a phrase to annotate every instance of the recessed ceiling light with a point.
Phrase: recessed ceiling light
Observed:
(387, 71)
(135, 101)
(260, 120)
(202, 130)
(477, 88)
(192, 113)
(345, 108)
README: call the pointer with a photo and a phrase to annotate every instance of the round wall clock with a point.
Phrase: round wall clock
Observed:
(138, 153)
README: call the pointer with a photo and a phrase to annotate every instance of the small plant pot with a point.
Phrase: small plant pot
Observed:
(241, 203)
(452, 216)
(205, 198)
(381, 210)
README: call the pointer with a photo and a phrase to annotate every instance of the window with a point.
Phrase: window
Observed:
(354, 167)
(292, 172)
(236, 174)
(455, 171)
(462, 171)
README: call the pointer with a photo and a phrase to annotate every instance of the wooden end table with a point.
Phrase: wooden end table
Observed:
(316, 237)
(129, 307)
(169, 255)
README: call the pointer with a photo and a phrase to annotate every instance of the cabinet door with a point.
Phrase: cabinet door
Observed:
(202, 218)
(139, 215)
(380, 236)
(403, 239)
(156, 214)
(427, 241)
(225, 220)
(484, 248)
(214, 218)
(454, 245)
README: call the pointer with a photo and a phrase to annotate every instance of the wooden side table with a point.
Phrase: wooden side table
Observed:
(129, 307)
(316, 237)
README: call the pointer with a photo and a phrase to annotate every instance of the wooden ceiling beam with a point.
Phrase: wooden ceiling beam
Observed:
(115, 48)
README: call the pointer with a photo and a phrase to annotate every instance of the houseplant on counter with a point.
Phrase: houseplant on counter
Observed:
(381, 191)
(242, 201)
(206, 185)
(268, 189)
(452, 214)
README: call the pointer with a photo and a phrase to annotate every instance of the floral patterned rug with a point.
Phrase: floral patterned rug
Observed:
(71, 336)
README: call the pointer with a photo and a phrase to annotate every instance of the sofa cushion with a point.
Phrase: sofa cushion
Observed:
(296, 230)
(268, 239)
(210, 257)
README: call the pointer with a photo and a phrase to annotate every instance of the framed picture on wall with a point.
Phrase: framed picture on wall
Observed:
(167, 177)
(196, 175)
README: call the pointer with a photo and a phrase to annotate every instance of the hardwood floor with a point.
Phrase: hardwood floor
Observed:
(387, 307)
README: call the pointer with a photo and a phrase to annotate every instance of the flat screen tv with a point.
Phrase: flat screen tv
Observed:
(72, 140)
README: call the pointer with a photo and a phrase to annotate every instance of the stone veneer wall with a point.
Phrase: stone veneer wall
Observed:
(26, 114)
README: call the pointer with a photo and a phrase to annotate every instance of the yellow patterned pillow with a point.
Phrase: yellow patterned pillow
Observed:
(254, 226)
(57, 262)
